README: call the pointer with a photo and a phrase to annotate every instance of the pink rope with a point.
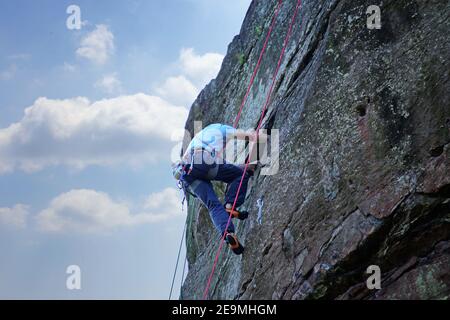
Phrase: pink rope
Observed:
(258, 64)
(286, 40)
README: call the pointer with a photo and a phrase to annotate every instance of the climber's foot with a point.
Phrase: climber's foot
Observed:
(241, 215)
(234, 244)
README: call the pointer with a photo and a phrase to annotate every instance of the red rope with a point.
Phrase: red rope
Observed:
(286, 40)
(257, 64)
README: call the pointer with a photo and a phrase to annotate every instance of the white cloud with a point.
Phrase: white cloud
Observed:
(178, 90)
(98, 45)
(200, 68)
(109, 83)
(15, 216)
(133, 130)
(196, 71)
(167, 200)
(85, 210)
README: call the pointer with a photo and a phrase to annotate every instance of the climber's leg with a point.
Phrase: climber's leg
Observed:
(204, 191)
(232, 175)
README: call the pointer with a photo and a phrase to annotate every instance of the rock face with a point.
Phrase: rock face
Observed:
(364, 165)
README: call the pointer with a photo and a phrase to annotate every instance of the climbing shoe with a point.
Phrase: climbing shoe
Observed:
(241, 215)
(234, 244)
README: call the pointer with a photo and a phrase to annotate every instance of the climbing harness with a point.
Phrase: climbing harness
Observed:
(260, 204)
(187, 189)
(268, 100)
(180, 169)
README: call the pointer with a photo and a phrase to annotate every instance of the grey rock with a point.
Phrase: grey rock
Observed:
(364, 122)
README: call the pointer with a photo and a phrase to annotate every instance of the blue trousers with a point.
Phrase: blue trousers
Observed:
(199, 181)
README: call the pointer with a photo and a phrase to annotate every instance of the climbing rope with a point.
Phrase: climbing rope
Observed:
(255, 71)
(258, 64)
(178, 259)
(267, 102)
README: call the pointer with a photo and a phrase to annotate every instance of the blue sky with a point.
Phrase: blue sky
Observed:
(88, 120)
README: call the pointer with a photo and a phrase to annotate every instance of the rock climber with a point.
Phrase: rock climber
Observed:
(204, 162)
